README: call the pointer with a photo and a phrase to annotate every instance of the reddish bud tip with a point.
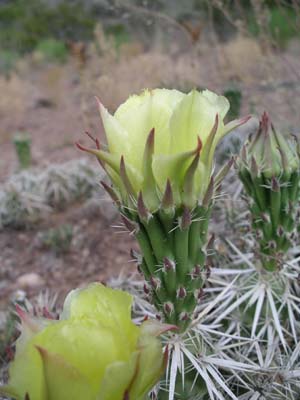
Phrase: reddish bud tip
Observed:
(150, 139)
(95, 140)
(110, 191)
(143, 211)
(199, 145)
(82, 148)
(265, 123)
(167, 201)
(131, 226)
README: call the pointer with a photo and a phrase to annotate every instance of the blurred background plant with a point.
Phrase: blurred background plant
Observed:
(30, 195)
(58, 239)
(22, 144)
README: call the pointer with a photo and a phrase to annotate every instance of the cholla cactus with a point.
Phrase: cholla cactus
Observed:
(29, 195)
(94, 351)
(269, 167)
(160, 160)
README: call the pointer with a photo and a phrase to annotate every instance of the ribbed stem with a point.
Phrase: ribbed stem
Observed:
(173, 247)
(273, 213)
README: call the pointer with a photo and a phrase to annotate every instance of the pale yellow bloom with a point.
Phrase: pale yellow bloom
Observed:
(187, 128)
(94, 352)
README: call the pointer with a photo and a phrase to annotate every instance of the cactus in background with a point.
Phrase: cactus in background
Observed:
(22, 144)
(269, 167)
(234, 96)
(93, 351)
(160, 160)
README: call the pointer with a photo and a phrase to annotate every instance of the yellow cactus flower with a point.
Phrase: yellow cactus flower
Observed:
(93, 352)
(160, 138)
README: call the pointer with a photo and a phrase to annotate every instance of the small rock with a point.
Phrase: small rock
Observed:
(18, 296)
(30, 280)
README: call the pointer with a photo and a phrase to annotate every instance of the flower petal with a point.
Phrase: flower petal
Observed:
(195, 116)
(122, 373)
(111, 307)
(63, 380)
(26, 374)
(139, 114)
(117, 136)
(150, 367)
(87, 345)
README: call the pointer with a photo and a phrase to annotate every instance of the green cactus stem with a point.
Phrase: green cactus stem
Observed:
(269, 168)
(173, 262)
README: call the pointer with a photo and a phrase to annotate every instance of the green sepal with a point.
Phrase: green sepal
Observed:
(149, 186)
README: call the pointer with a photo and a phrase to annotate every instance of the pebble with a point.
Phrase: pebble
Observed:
(30, 280)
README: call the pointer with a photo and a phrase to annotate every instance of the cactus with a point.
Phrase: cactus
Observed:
(237, 313)
(163, 185)
(30, 194)
(22, 144)
(269, 167)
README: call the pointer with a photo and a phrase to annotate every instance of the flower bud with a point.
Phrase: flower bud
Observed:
(268, 153)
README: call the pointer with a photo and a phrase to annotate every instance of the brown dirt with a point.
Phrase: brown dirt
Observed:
(97, 252)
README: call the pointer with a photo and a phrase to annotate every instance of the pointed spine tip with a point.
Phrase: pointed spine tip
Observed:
(110, 191)
(209, 193)
(265, 122)
(199, 145)
(167, 200)
(143, 211)
(131, 226)
(125, 178)
(82, 148)
(94, 139)
(150, 139)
